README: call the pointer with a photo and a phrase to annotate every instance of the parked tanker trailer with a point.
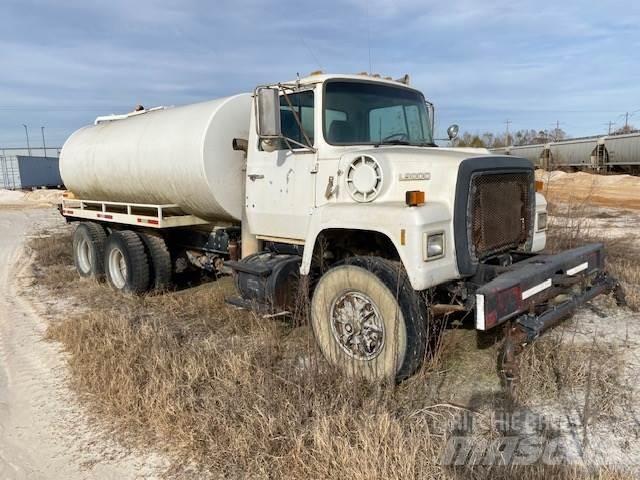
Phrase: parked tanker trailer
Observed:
(332, 183)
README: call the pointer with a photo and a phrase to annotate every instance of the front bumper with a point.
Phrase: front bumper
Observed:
(541, 290)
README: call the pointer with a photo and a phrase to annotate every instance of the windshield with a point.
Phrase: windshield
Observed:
(358, 113)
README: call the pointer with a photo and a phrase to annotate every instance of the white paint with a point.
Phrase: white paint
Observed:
(179, 155)
(364, 178)
(578, 269)
(537, 289)
(151, 216)
(480, 320)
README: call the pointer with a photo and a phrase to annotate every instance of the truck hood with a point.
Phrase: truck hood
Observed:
(386, 173)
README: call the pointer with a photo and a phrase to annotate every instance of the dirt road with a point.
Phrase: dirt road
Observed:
(43, 433)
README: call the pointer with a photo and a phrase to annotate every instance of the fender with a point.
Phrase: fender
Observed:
(390, 219)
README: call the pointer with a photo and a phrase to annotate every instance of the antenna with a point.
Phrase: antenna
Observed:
(313, 55)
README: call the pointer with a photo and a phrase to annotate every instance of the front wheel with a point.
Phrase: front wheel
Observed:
(368, 321)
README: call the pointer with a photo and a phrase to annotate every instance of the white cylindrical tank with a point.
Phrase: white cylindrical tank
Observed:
(180, 155)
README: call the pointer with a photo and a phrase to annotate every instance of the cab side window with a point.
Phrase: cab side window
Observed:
(303, 105)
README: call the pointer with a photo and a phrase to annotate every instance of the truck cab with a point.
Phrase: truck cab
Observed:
(344, 154)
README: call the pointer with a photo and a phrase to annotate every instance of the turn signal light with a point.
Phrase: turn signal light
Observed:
(539, 185)
(414, 198)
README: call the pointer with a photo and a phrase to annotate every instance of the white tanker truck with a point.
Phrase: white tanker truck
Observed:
(333, 182)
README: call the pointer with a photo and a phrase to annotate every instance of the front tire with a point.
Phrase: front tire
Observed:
(126, 263)
(368, 320)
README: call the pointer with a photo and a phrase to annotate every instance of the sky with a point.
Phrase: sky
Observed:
(64, 62)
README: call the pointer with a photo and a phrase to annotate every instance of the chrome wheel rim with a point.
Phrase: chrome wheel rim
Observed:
(83, 254)
(117, 268)
(357, 325)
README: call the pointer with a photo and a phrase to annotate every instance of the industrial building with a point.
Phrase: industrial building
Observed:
(25, 168)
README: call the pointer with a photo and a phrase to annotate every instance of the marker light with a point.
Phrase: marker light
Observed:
(415, 198)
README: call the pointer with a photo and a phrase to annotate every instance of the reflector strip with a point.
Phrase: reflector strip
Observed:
(578, 269)
(149, 221)
(537, 289)
(480, 322)
(107, 217)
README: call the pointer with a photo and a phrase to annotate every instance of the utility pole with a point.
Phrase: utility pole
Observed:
(44, 145)
(506, 141)
(611, 124)
(626, 121)
(556, 132)
(26, 131)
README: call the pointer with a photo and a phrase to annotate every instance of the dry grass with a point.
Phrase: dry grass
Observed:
(572, 225)
(555, 367)
(242, 397)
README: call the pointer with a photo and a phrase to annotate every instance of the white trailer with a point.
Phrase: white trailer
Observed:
(334, 183)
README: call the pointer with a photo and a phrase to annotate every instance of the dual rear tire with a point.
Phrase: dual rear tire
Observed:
(126, 264)
(88, 250)
(130, 262)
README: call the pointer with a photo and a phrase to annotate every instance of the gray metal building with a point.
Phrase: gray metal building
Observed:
(23, 171)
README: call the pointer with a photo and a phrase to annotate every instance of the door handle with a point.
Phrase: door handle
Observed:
(331, 188)
(253, 177)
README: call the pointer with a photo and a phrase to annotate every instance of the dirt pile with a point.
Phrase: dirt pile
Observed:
(43, 197)
(621, 191)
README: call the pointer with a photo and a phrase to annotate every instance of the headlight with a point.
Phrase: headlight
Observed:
(542, 221)
(433, 246)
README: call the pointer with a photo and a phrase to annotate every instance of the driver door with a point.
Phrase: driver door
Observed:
(281, 183)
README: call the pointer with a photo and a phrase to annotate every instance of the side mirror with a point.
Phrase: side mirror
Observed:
(268, 112)
(452, 131)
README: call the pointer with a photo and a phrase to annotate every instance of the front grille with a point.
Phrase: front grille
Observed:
(500, 212)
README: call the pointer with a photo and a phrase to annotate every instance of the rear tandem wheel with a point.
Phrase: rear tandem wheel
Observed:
(126, 263)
